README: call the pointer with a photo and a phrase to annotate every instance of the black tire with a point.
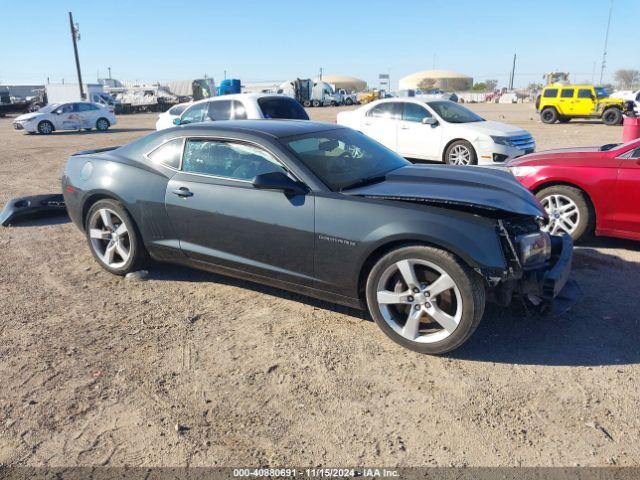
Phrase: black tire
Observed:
(102, 124)
(612, 116)
(564, 119)
(138, 255)
(348, 102)
(586, 215)
(470, 286)
(549, 115)
(45, 127)
(316, 103)
(306, 103)
(473, 157)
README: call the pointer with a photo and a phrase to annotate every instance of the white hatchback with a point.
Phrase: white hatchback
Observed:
(240, 106)
(438, 130)
(66, 116)
(165, 119)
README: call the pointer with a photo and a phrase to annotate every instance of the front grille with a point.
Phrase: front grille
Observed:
(523, 142)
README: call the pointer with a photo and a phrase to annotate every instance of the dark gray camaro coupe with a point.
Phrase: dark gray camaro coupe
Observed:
(327, 212)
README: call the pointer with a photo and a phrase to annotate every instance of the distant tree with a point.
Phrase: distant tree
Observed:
(458, 84)
(427, 84)
(627, 78)
(479, 87)
(534, 87)
(491, 85)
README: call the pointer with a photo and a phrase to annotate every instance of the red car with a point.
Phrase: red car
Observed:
(586, 190)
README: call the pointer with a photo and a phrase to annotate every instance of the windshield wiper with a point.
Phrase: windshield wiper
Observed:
(608, 146)
(363, 182)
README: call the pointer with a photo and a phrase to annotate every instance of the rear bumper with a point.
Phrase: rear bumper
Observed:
(28, 207)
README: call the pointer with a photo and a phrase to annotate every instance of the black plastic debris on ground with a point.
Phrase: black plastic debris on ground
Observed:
(27, 208)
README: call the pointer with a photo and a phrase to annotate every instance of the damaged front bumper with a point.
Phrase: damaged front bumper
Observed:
(548, 289)
(29, 207)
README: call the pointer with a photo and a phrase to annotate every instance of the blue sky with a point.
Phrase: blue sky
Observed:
(277, 39)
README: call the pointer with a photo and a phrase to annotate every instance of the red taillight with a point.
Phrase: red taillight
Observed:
(70, 189)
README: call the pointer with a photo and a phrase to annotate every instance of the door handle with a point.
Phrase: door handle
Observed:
(367, 123)
(183, 192)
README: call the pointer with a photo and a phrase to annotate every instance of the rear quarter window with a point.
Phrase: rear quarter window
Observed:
(567, 93)
(550, 93)
(168, 154)
(282, 107)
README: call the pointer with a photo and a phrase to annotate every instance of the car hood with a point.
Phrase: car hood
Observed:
(29, 116)
(489, 127)
(470, 188)
(557, 155)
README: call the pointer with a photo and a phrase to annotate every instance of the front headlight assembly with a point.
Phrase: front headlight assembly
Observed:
(523, 171)
(501, 140)
(534, 248)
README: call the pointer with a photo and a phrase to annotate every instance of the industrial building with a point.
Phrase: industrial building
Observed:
(443, 79)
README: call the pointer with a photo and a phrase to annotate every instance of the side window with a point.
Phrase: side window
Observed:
(386, 110)
(584, 93)
(550, 93)
(239, 112)
(414, 113)
(85, 107)
(67, 108)
(219, 158)
(168, 153)
(219, 110)
(635, 154)
(567, 93)
(194, 114)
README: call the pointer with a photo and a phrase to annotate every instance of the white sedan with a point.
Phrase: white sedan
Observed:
(240, 106)
(165, 119)
(438, 130)
(66, 116)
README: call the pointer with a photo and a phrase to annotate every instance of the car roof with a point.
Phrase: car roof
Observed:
(242, 96)
(270, 127)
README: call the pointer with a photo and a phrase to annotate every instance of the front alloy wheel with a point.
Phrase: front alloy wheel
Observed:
(425, 299)
(461, 152)
(568, 209)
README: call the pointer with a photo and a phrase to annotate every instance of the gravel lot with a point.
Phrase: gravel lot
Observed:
(190, 368)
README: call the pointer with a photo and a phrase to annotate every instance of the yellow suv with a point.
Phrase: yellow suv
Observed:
(561, 103)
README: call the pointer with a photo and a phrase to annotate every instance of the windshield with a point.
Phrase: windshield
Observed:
(343, 158)
(49, 108)
(282, 107)
(453, 113)
(602, 92)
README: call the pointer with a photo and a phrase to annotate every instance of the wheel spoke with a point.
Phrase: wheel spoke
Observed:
(408, 273)
(387, 297)
(124, 254)
(106, 218)
(445, 320)
(442, 284)
(99, 234)
(412, 325)
(109, 252)
(121, 230)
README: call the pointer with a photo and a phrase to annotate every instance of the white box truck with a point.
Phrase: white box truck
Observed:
(70, 92)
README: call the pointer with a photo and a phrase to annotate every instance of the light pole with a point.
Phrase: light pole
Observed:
(75, 35)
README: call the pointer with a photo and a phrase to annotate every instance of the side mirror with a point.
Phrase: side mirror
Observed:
(278, 181)
(177, 121)
(429, 121)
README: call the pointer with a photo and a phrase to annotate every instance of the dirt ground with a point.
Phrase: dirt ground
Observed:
(190, 368)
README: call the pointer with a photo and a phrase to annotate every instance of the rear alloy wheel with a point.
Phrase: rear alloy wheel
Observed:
(549, 115)
(45, 127)
(102, 124)
(612, 116)
(316, 103)
(461, 152)
(568, 209)
(425, 299)
(113, 238)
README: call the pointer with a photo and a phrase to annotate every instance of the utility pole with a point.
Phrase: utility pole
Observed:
(320, 78)
(75, 35)
(606, 41)
(109, 68)
(513, 72)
